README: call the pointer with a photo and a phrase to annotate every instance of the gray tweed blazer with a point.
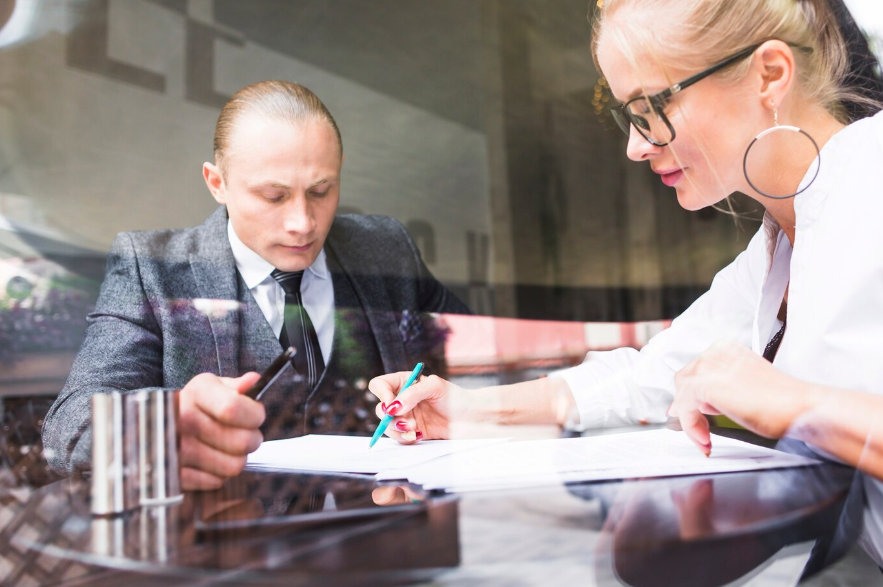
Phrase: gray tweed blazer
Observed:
(146, 332)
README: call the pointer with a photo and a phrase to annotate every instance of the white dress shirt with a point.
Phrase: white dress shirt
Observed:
(317, 291)
(835, 300)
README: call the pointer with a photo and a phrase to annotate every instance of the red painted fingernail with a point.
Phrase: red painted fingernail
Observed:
(402, 426)
(393, 408)
(383, 406)
(419, 435)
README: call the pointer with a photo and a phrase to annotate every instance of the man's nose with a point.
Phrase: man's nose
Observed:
(298, 215)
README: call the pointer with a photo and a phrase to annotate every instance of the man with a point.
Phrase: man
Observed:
(193, 309)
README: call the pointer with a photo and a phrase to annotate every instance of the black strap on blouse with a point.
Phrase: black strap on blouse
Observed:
(772, 347)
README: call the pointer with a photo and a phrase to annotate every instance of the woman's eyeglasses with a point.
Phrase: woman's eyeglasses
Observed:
(647, 113)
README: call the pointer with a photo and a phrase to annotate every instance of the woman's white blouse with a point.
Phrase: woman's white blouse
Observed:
(835, 301)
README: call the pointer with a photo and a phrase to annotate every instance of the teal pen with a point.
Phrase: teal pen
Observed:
(384, 423)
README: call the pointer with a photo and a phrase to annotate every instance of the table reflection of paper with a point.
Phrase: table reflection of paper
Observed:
(652, 453)
(350, 454)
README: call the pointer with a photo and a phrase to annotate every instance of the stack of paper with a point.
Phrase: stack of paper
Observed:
(652, 453)
(350, 454)
(472, 465)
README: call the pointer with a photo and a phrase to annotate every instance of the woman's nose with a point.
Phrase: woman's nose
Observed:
(639, 148)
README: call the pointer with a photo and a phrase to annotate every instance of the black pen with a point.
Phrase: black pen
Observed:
(271, 373)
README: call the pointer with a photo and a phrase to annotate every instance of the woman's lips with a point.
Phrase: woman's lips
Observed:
(672, 177)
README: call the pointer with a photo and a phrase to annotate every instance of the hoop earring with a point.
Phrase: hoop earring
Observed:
(769, 131)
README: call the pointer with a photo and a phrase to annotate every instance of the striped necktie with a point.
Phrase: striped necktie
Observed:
(297, 328)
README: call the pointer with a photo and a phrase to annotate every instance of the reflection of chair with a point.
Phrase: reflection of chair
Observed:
(21, 446)
(35, 517)
(30, 515)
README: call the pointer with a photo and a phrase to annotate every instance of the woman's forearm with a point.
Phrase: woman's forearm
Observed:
(542, 401)
(847, 425)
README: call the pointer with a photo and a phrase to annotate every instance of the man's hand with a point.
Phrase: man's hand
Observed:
(219, 428)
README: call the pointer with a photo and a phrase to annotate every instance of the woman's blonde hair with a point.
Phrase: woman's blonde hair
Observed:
(699, 33)
(281, 100)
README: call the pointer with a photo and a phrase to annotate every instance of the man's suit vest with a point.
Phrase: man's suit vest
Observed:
(340, 402)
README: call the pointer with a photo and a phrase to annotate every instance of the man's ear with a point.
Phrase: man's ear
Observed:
(214, 181)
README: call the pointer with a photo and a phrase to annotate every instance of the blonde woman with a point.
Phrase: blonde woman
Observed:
(721, 97)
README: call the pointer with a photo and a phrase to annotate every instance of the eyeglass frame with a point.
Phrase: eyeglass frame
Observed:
(658, 101)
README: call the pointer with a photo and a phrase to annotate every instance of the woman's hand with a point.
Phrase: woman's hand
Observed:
(425, 411)
(429, 408)
(389, 495)
(732, 380)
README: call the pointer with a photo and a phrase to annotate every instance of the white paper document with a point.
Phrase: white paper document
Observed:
(652, 453)
(350, 454)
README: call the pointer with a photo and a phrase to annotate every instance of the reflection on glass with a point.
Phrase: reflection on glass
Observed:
(479, 125)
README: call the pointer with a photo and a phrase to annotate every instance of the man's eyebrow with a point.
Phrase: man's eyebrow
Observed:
(276, 184)
(323, 180)
(269, 184)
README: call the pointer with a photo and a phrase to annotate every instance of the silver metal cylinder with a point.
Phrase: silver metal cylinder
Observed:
(159, 531)
(159, 474)
(109, 536)
(114, 455)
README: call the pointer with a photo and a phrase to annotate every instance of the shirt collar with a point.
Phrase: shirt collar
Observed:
(255, 269)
